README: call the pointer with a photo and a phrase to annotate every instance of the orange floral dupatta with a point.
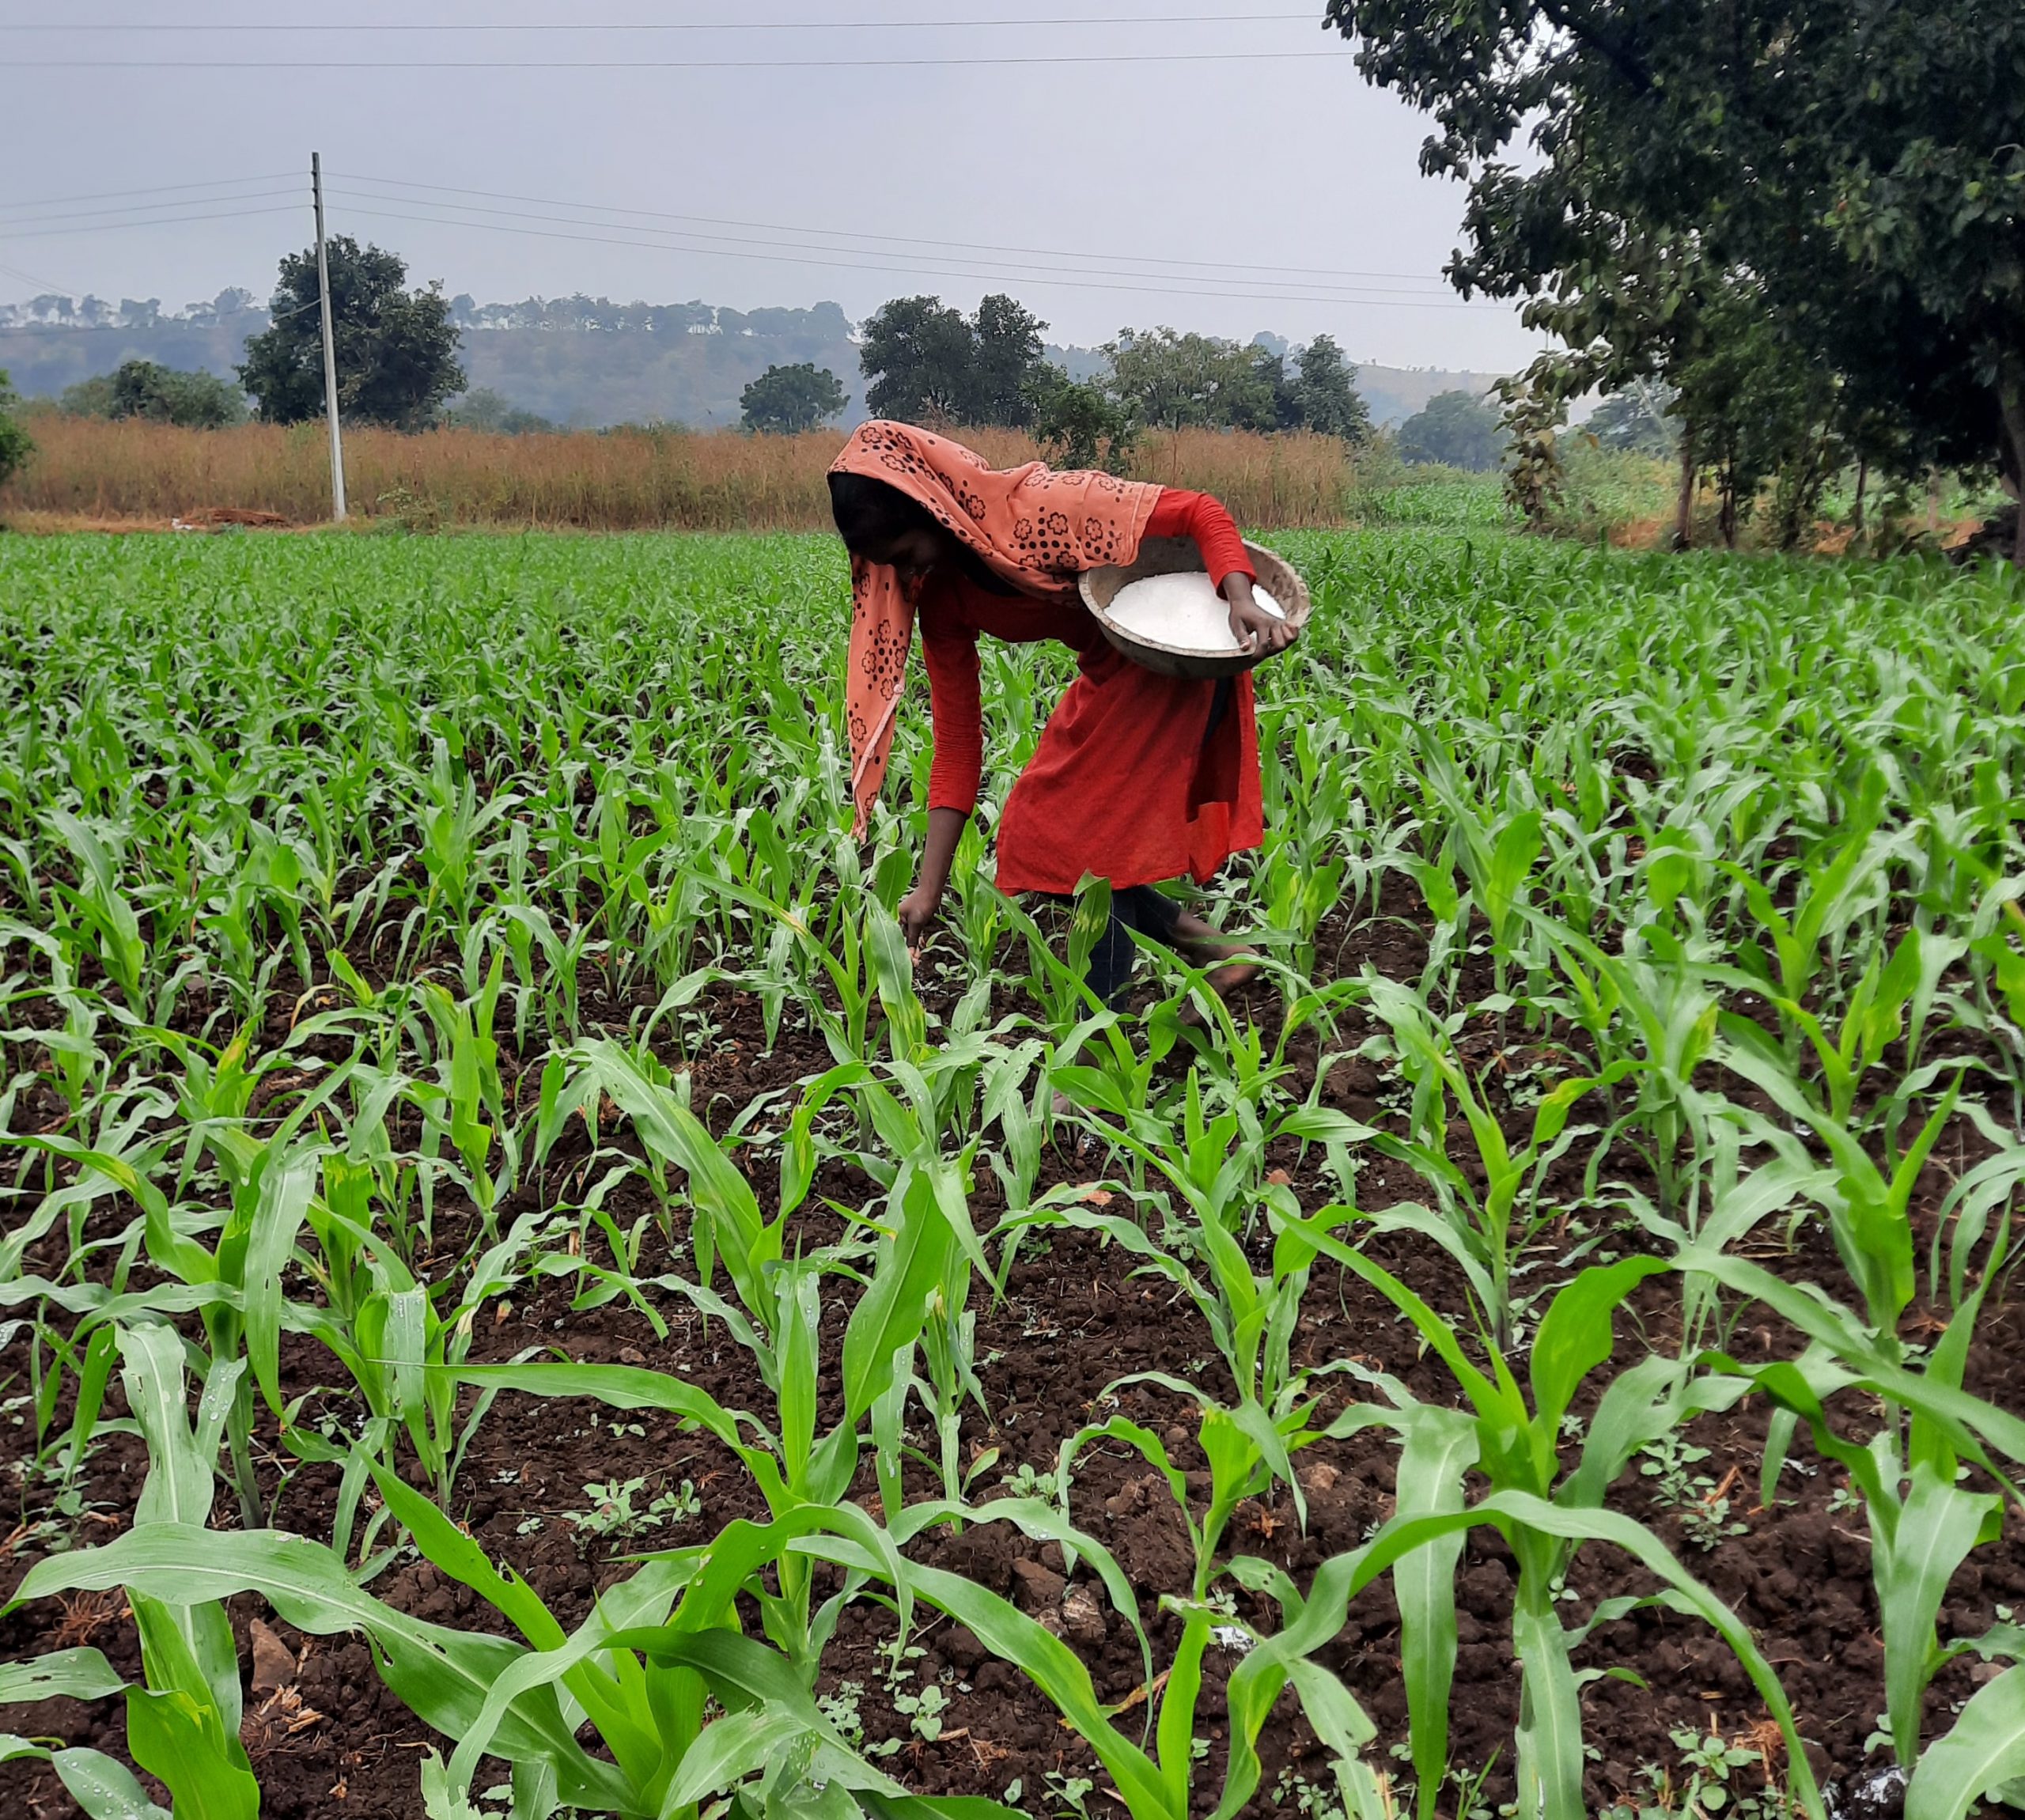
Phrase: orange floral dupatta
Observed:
(1034, 527)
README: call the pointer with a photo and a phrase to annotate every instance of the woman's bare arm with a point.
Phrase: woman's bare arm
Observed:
(918, 908)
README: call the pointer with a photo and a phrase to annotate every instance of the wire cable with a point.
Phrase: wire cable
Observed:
(898, 240)
(768, 63)
(695, 24)
(159, 222)
(810, 259)
(854, 258)
(159, 190)
(7, 225)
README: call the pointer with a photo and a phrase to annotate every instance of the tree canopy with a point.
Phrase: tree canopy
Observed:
(1325, 394)
(926, 361)
(1455, 429)
(165, 395)
(1840, 182)
(1168, 380)
(16, 445)
(485, 408)
(785, 399)
(397, 349)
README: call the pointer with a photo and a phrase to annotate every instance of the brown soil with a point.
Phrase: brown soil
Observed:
(1074, 1321)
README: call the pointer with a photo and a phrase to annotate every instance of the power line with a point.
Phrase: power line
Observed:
(816, 259)
(49, 284)
(127, 209)
(854, 257)
(159, 190)
(767, 63)
(39, 233)
(898, 240)
(695, 25)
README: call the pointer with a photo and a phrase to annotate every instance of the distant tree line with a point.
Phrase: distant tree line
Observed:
(926, 361)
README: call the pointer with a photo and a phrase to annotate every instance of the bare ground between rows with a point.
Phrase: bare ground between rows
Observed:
(1074, 1321)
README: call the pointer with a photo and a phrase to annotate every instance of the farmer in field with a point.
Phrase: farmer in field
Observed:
(1138, 778)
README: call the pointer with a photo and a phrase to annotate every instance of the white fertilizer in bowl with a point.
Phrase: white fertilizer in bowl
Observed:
(1182, 611)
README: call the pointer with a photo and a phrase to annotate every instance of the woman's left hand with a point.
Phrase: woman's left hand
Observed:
(1254, 628)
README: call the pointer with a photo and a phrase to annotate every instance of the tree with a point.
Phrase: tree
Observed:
(916, 353)
(1851, 169)
(1456, 429)
(397, 349)
(1325, 390)
(164, 394)
(16, 444)
(927, 362)
(1079, 421)
(1634, 422)
(482, 408)
(1008, 360)
(1171, 381)
(1272, 402)
(89, 397)
(784, 400)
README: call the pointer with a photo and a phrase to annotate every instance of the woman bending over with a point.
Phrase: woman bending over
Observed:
(1138, 778)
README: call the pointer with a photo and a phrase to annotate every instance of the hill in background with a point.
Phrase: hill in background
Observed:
(584, 362)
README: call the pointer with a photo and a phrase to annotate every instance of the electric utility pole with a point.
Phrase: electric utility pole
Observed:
(329, 348)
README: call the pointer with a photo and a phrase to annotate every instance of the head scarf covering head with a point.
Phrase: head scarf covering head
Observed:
(1031, 526)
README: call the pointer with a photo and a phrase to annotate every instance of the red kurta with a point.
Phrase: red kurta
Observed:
(1124, 785)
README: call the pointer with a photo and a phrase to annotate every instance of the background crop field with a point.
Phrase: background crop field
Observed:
(619, 480)
(470, 1123)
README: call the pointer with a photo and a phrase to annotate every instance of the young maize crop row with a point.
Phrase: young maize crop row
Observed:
(1549, 1347)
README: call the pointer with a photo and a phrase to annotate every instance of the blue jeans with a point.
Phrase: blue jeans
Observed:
(1138, 907)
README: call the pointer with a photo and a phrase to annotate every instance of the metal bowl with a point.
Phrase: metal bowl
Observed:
(1166, 556)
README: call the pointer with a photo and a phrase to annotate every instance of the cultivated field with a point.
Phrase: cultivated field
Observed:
(518, 1296)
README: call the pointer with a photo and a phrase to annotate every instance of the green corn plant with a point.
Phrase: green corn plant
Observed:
(1498, 860)
(556, 977)
(183, 1725)
(400, 1340)
(1924, 1522)
(468, 1092)
(775, 1319)
(1483, 1231)
(235, 1287)
(1251, 1318)
(1890, 1001)
(980, 908)
(846, 1024)
(103, 913)
(1158, 1784)
(639, 1679)
(1652, 1006)
(103, 1787)
(1301, 888)
(452, 822)
(1868, 1209)
(1835, 892)
(1542, 1511)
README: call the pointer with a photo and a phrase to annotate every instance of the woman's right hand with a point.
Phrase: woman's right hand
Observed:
(916, 911)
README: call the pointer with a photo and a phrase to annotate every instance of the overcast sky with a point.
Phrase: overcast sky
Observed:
(1258, 185)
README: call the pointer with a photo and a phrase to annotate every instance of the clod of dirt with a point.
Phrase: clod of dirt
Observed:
(962, 1647)
(1136, 1496)
(1870, 1794)
(1082, 1618)
(1038, 1592)
(273, 1663)
(227, 518)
